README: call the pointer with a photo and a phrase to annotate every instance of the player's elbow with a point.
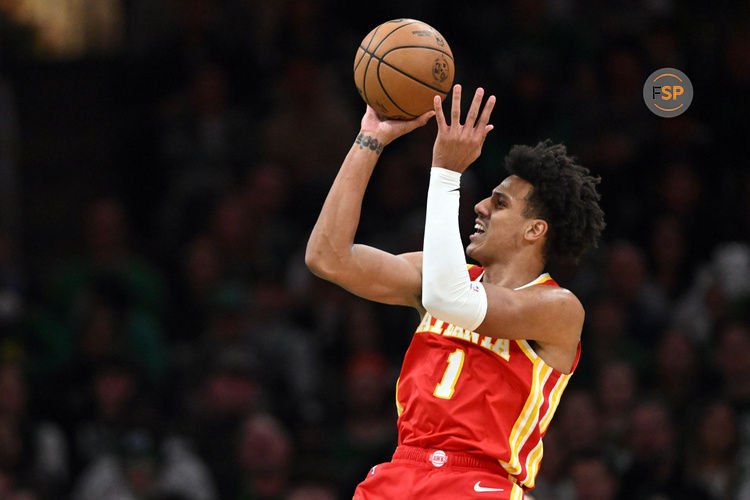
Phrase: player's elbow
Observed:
(433, 301)
(324, 261)
(438, 302)
(465, 308)
(315, 261)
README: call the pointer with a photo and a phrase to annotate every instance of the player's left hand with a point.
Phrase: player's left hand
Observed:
(457, 146)
(386, 130)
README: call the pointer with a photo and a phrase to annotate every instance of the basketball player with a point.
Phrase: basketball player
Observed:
(497, 344)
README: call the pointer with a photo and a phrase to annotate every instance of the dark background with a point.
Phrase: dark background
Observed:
(162, 163)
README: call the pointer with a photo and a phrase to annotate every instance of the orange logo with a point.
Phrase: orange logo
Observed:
(668, 92)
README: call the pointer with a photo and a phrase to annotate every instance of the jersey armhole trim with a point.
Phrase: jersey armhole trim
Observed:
(533, 356)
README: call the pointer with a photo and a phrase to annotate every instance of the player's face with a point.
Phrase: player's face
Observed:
(500, 224)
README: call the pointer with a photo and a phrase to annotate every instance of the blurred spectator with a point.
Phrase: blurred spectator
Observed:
(719, 291)
(144, 466)
(367, 432)
(14, 289)
(680, 190)
(195, 280)
(711, 454)
(629, 283)
(265, 452)
(267, 195)
(10, 490)
(678, 374)
(111, 296)
(230, 229)
(307, 88)
(616, 393)
(286, 351)
(607, 338)
(225, 336)
(668, 256)
(110, 249)
(663, 46)
(733, 361)
(578, 120)
(34, 452)
(116, 401)
(226, 391)
(655, 466)
(593, 477)
(553, 481)
(312, 491)
(681, 195)
(104, 330)
(9, 151)
(579, 421)
(206, 141)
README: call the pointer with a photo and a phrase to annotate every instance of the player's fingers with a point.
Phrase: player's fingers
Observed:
(456, 106)
(439, 115)
(425, 117)
(471, 117)
(487, 130)
(487, 111)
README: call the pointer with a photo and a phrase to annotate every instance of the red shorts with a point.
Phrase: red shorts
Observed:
(419, 473)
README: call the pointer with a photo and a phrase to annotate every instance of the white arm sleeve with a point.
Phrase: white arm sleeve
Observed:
(447, 291)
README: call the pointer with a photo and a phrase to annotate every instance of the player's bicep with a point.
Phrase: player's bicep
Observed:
(545, 314)
(383, 277)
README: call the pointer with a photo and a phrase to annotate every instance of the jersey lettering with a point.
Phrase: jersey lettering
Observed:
(501, 347)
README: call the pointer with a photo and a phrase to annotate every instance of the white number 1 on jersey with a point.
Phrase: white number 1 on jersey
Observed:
(446, 386)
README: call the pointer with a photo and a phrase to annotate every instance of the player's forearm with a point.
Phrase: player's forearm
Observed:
(330, 244)
(447, 292)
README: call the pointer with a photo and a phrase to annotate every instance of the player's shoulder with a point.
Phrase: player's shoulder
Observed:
(562, 301)
(551, 292)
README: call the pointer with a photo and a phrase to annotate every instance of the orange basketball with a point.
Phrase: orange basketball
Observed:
(400, 66)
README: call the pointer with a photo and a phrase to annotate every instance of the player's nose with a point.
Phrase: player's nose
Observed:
(482, 208)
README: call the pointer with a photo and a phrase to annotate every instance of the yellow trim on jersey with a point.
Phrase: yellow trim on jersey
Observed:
(424, 325)
(554, 399)
(532, 464)
(542, 278)
(534, 459)
(527, 420)
(528, 351)
(516, 493)
(399, 408)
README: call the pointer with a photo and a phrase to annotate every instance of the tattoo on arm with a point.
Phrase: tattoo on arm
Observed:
(365, 141)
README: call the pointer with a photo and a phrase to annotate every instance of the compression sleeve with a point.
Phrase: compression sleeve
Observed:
(447, 291)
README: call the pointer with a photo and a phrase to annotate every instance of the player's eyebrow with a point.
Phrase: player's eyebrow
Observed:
(500, 194)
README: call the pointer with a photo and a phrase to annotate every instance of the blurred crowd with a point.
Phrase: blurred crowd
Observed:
(163, 161)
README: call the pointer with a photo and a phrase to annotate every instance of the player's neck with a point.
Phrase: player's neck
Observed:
(513, 273)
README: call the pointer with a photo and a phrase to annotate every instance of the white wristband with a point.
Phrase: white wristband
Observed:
(447, 291)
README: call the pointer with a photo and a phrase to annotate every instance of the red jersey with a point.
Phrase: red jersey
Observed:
(459, 390)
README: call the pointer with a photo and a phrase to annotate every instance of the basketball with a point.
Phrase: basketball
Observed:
(400, 66)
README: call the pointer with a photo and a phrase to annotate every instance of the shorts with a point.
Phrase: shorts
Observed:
(420, 473)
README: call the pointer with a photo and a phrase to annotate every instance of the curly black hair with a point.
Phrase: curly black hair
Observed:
(564, 194)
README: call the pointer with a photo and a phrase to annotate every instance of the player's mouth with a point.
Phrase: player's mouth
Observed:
(479, 230)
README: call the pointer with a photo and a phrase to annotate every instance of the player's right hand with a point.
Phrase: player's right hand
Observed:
(458, 145)
(385, 130)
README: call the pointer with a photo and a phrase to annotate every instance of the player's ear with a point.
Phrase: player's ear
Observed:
(536, 229)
